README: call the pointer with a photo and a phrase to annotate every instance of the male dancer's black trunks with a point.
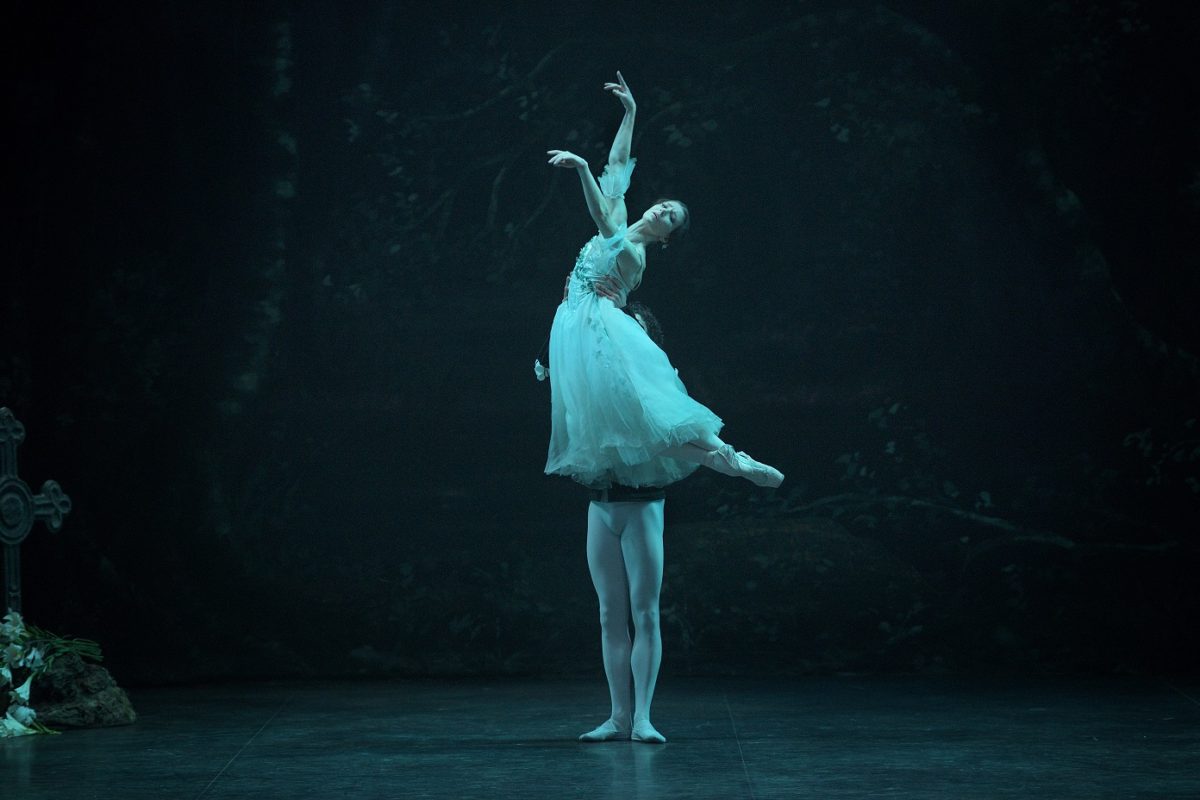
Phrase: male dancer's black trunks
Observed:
(618, 493)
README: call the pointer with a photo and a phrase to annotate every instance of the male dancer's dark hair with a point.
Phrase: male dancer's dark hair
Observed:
(648, 321)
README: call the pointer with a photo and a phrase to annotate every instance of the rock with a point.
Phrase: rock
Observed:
(76, 694)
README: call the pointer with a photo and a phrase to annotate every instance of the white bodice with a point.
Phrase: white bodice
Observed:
(597, 259)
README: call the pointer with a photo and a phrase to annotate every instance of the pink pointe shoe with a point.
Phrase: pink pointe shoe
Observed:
(727, 461)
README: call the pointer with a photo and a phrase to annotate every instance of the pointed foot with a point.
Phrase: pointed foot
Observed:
(737, 463)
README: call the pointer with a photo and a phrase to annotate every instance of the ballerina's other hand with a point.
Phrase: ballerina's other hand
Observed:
(565, 158)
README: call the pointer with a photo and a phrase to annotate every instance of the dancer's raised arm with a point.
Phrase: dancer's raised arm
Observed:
(618, 154)
(607, 204)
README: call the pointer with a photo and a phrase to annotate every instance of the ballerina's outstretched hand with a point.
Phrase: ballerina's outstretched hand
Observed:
(565, 159)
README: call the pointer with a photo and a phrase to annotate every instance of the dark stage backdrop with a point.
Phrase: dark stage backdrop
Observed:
(278, 273)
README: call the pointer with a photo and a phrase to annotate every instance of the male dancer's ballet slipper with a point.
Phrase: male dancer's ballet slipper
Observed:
(606, 732)
(727, 461)
(643, 731)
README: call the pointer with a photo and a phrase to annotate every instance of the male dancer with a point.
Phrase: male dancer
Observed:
(625, 559)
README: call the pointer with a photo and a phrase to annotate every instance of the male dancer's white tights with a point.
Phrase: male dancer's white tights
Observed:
(625, 557)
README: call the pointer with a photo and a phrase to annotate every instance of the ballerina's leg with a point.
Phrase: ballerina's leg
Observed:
(711, 452)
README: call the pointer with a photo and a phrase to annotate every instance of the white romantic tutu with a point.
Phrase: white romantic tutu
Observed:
(616, 401)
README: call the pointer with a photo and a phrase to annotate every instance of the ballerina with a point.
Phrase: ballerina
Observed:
(623, 424)
(619, 413)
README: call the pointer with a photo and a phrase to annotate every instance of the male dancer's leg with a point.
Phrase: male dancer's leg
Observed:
(642, 545)
(607, 566)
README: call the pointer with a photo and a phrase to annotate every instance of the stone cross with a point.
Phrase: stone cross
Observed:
(19, 507)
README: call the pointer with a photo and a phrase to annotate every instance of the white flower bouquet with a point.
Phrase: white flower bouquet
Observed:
(26, 653)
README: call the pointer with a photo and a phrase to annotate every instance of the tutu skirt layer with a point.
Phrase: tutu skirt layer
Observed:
(616, 401)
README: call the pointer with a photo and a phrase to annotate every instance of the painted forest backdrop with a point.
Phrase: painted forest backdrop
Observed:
(280, 272)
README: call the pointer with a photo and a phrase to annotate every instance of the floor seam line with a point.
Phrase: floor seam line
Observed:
(1182, 693)
(738, 740)
(241, 749)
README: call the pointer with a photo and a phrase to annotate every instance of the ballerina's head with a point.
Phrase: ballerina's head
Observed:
(666, 218)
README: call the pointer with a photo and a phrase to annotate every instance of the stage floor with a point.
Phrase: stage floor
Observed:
(848, 737)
